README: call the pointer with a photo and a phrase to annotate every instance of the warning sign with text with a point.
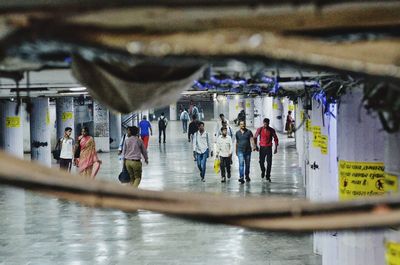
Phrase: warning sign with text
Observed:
(391, 183)
(68, 115)
(13, 122)
(360, 179)
(392, 255)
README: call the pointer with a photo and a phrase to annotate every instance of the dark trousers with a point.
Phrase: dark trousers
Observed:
(161, 130)
(65, 164)
(266, 152)
(225, 166)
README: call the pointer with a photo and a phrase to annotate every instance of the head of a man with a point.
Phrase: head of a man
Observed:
(289, 112)
(132, 131)
(224, 131)
(67, 131)
(201, 127)
(222, 117)
(194, 117)
(162, 114)
(144, 117)
(266, 123)
(242, 125)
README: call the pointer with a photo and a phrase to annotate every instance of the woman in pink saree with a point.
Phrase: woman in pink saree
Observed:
(88, 163)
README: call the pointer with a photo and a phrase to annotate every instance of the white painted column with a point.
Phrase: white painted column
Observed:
(115, 129)
(358, 140)
(65, 115)
(40, 131)
(236, 104)
(173, 112)
(101, 127)
(11, 129)
(299, 135)
(249, 109)
(277, 115)
(216, 107)
(224, 106)
(258, 112)
(267, 108)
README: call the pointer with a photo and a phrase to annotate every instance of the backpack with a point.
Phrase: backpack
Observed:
(161, 123)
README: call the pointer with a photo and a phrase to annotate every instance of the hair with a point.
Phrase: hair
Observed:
(194, 117)
(162, 113)
(221, 115)
(134, 130)
(224, 128)
(243, 122)
(86, 129)
(200, 123)
(67, 129)
(144, 117)
(266, 120)
(289, 112)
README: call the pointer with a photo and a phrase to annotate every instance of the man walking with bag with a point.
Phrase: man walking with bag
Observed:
(266, 134)
(224, 152)
(201, 149)
(184, 118)
(162, 126)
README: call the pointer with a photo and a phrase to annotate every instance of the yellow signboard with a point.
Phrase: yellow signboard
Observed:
(360, 179)
(47, 117)
(13, 122)
(68, 115)
(291, 107)
(392, 255)
(275, 106)
(391, 183)
(308, 125)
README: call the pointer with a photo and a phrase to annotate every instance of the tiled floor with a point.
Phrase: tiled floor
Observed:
(41, 230)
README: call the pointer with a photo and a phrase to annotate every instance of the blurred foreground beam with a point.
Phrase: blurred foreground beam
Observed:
(258, 213)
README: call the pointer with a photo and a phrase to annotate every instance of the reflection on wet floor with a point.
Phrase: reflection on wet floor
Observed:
(42, 230)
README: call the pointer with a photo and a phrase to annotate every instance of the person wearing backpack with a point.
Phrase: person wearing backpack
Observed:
(201, 149)
(266, 135)
(162, 126)
(184, 118)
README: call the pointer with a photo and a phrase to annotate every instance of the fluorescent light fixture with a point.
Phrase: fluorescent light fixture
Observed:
(72, 93)
(82, 88)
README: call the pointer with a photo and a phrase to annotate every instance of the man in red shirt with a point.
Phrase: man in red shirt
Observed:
(266, 134)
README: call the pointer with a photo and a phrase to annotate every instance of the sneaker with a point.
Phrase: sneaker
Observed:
(248, 179)
(202, 179)
(241, 181)
(223, 180)
(229, 176)
(262, 175)
(269, 178)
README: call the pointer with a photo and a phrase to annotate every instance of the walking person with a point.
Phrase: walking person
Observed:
(266, 134)
(162, 126)
(86, 156)
(145, 130)
(201, 149)
(228, 128)
(224, 150)
(195, 112)
(184, 119)
(289, 124)
(244, 145)
(66, 150)
(133, 151)
(219, 124)
(193, 127)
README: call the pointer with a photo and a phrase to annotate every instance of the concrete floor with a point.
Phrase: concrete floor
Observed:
(41, 230)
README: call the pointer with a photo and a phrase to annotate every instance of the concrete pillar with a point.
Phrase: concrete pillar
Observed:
(249, 109)
(258, 112)
(101, 127)
(173, 115)
(267, 108)
(115, 129)
(277, 115)
(65, 115)
(223, 106)
(216, 107)
(11, 129)
(358, 141)
(236, 104)
(40, 131)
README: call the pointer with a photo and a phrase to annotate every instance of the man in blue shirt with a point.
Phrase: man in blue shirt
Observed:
(145, 127)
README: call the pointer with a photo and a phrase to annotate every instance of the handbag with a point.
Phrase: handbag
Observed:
(124, 175)
(217, 164)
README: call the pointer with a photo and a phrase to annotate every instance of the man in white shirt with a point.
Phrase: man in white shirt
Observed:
(67, 150)
(184, 118)
(224, 152)
(201, 149)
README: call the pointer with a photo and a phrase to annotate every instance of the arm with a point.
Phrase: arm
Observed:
(231, 146)
(252, 142)
(151, 129)
(276, 142)
(256, 137)
(121, 143)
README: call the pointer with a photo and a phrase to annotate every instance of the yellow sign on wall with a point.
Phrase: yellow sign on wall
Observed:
(13, 122)
(308, 125)
(47, 117)
(391, 183)
(360, 179)
(291, 107)
(248, 104)
(275, 106)
(392, 255)
(68, 115)
(302, 115)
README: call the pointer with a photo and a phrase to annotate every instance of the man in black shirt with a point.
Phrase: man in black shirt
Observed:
(193, 127)
(244, 145)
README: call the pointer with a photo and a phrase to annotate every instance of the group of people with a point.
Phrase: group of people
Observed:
(245, 142)
(81, 153)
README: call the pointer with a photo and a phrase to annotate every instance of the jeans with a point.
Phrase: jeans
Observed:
(225, 166)
(185, 125)
(244, 160)
(161, 130)
(201, 162)
(266, 152)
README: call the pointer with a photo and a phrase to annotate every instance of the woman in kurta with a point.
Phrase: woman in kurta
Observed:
(289, 126)
(88, 162)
